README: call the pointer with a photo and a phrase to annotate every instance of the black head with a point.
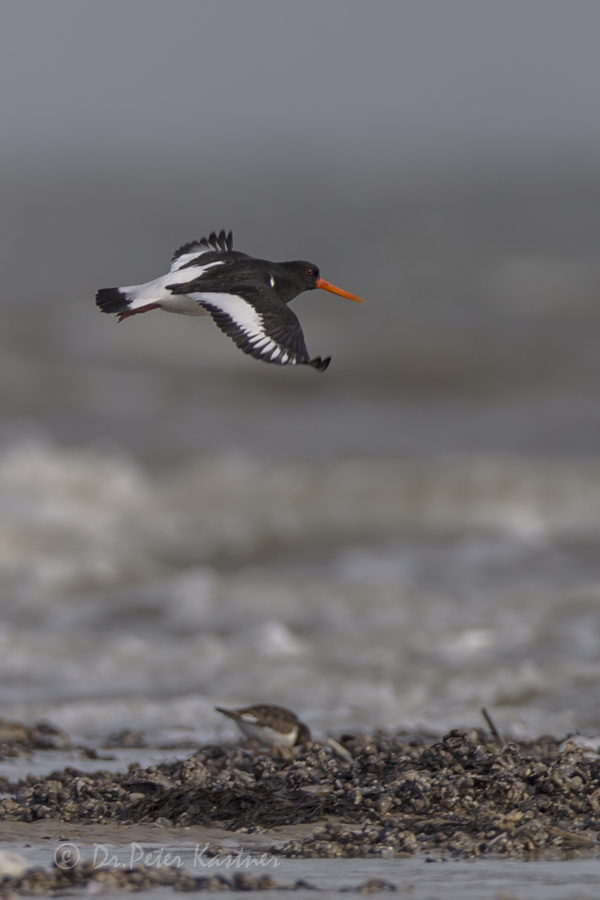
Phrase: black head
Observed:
(305, 276)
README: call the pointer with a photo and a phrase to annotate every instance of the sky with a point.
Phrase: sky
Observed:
(129, 124)
(140, 77)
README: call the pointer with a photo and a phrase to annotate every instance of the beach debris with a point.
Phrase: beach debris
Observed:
(459, 795)
(496, 734)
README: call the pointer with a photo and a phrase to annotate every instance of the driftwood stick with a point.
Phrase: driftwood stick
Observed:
(490, 722)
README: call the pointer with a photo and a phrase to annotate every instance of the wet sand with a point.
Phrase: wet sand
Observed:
(421, 877)
(86, 834)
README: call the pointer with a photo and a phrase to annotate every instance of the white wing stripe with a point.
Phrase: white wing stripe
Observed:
(180, 277)
(186, 258)
(240, 312)
(247, 320)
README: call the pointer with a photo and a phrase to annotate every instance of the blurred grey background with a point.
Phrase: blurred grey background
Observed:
(400, 540)
(437, 157)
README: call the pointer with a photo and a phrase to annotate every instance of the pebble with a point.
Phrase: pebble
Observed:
(12, 864)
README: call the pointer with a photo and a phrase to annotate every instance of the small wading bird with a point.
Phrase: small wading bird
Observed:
(246, 297)
(271, 726)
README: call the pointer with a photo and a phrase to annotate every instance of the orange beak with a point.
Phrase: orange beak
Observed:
(326, 286)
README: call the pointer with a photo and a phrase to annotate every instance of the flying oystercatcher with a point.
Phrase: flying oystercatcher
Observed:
(246, 297)
(272, 726)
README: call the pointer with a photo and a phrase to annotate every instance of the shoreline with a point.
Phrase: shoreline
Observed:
(383, 796)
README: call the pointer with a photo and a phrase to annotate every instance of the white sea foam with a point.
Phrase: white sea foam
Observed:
(361, 594)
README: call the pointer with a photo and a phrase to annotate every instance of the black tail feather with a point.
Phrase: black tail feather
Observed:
(111, 300)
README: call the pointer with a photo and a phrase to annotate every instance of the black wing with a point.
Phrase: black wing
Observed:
(261, 326)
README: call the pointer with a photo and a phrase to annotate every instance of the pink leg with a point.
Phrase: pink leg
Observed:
(134, 312)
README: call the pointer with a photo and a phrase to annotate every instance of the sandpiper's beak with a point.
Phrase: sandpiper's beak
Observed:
(326, 286)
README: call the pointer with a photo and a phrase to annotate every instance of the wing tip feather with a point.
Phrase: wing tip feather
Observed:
(222, 241)
(320, 364)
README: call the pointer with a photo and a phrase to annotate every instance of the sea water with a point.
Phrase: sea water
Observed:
(361, 593)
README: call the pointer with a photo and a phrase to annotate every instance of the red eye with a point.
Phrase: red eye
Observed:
(310, 271)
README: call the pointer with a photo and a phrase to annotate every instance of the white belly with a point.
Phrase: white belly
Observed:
(266, 735)
(182, 304)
